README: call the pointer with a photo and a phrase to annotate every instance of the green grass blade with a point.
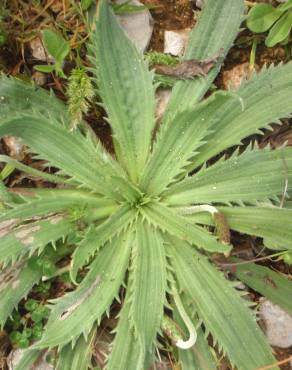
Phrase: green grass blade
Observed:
(270, 284)
(127, 91)
(76, 312)
(265, 98)
(224, 313)
(255, 175)
(217, 28)
(177, 225)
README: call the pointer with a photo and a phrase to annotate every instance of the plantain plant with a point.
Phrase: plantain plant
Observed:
(154, 217)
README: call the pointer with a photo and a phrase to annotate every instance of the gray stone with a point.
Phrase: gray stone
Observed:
(39, 78)
(175, 41)
(233, 78)
(15, 147)
(278, 324)
(138, 26)
(38, 51)
(200, 3)
(15, 357)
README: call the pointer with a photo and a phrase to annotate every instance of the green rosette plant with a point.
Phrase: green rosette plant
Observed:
(152, 217)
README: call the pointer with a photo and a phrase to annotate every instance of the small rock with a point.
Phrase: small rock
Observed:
(138, 26)
(15, 357)
(240, 286)
(200, 4)
(38, 50)
(14, 147)
(162, 99)
(175, 41)
(39, 78)
(278, 324)
(233, 78)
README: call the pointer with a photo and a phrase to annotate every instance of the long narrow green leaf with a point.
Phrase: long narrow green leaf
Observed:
(15, 283)
(76, 312)
(271, 222)
(265, 98)
(252, 176)
(74, 154)
(17, 280)
(222, 310)
(177, 225)
(32, 171)
(199, 356)
(17, 95)
(79, 357)
(23, 240)
(127, 352)
(5, 196)
(215, 32)
(28, 359)
(97, 236)
(148, 283)
(42, 202)
(179, 141)
(127, 91)
(270, 284)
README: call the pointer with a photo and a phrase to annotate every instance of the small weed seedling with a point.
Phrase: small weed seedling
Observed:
(57, 48)
(276, 20)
